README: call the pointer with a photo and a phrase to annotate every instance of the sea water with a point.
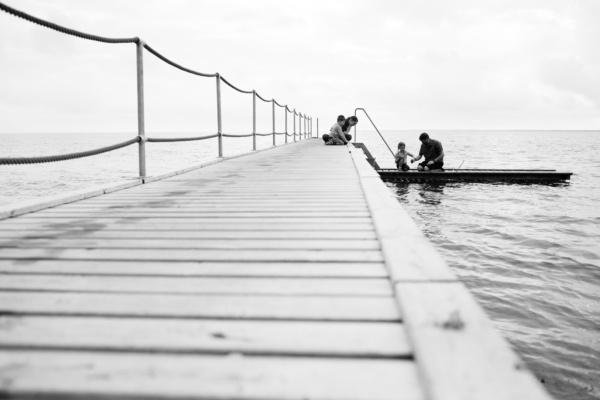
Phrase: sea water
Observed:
(530, 253)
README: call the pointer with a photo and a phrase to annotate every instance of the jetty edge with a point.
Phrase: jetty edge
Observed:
(210, 284)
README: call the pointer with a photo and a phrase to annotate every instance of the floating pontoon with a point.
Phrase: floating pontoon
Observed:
(475, 175)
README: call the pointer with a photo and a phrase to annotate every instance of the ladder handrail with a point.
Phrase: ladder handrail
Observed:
(372, 123)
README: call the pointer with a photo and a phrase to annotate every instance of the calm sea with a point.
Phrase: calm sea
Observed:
(530, 253)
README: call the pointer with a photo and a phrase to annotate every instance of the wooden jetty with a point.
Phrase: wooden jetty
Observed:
(291, 273)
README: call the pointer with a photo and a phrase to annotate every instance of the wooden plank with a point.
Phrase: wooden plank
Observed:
(292, 338)
(178, 213)
(116, 232)
(124, 242)
(44, 218)
(182, 269)
(182, 225)
(321, 308)
(214, 201)
(460, 354)
(216, 206)
(194, 255)
(198, 285)
(257, 188)
(128, 376)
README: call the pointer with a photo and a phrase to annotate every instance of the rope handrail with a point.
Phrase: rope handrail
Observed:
(188, 139)
(233, 87)
(174, 64)
(230, 135)
(141, 139)
(64, 157)
(62, 29)
(265, 100)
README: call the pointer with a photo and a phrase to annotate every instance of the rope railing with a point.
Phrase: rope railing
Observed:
(235, 136)
(265, 100)
(304, 122)
(186, 139)
(174, 64)
(64, 157)
(62, 29)
(238, 89)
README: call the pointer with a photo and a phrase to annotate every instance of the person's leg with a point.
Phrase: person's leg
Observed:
(335, 141)
(405, 167)
(422, 166)
(326, 138)
(348, 137)
(436, 165)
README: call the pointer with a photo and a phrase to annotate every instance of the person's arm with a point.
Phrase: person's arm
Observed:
(438, 158)
(417, 158)
(408, 154)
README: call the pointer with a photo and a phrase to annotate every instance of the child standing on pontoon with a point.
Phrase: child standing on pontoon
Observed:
(400, 157)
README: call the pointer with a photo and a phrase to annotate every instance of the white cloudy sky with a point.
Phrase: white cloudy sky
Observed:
(413, 64)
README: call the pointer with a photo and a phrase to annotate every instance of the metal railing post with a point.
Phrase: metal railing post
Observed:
(294, 124)
(306, 127)
(273, 108)
(219, 125)
(286, 113)
(254, 120)
(140, 104)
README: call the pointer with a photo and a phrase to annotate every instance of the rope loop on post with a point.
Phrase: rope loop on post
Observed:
(62, 29)
(64, 157)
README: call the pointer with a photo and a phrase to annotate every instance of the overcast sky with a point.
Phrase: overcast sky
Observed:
(413, 64)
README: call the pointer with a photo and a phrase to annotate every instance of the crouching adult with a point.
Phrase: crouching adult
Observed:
(433, 152)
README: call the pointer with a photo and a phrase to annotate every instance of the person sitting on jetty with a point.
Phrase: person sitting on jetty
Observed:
(338, 134)
(400, 157)
(340, 122)
(433, 152)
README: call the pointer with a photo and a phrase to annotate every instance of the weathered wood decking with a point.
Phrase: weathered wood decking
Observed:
(287, 274)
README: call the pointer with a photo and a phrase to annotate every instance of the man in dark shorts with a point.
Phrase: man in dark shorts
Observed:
(432, 151)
